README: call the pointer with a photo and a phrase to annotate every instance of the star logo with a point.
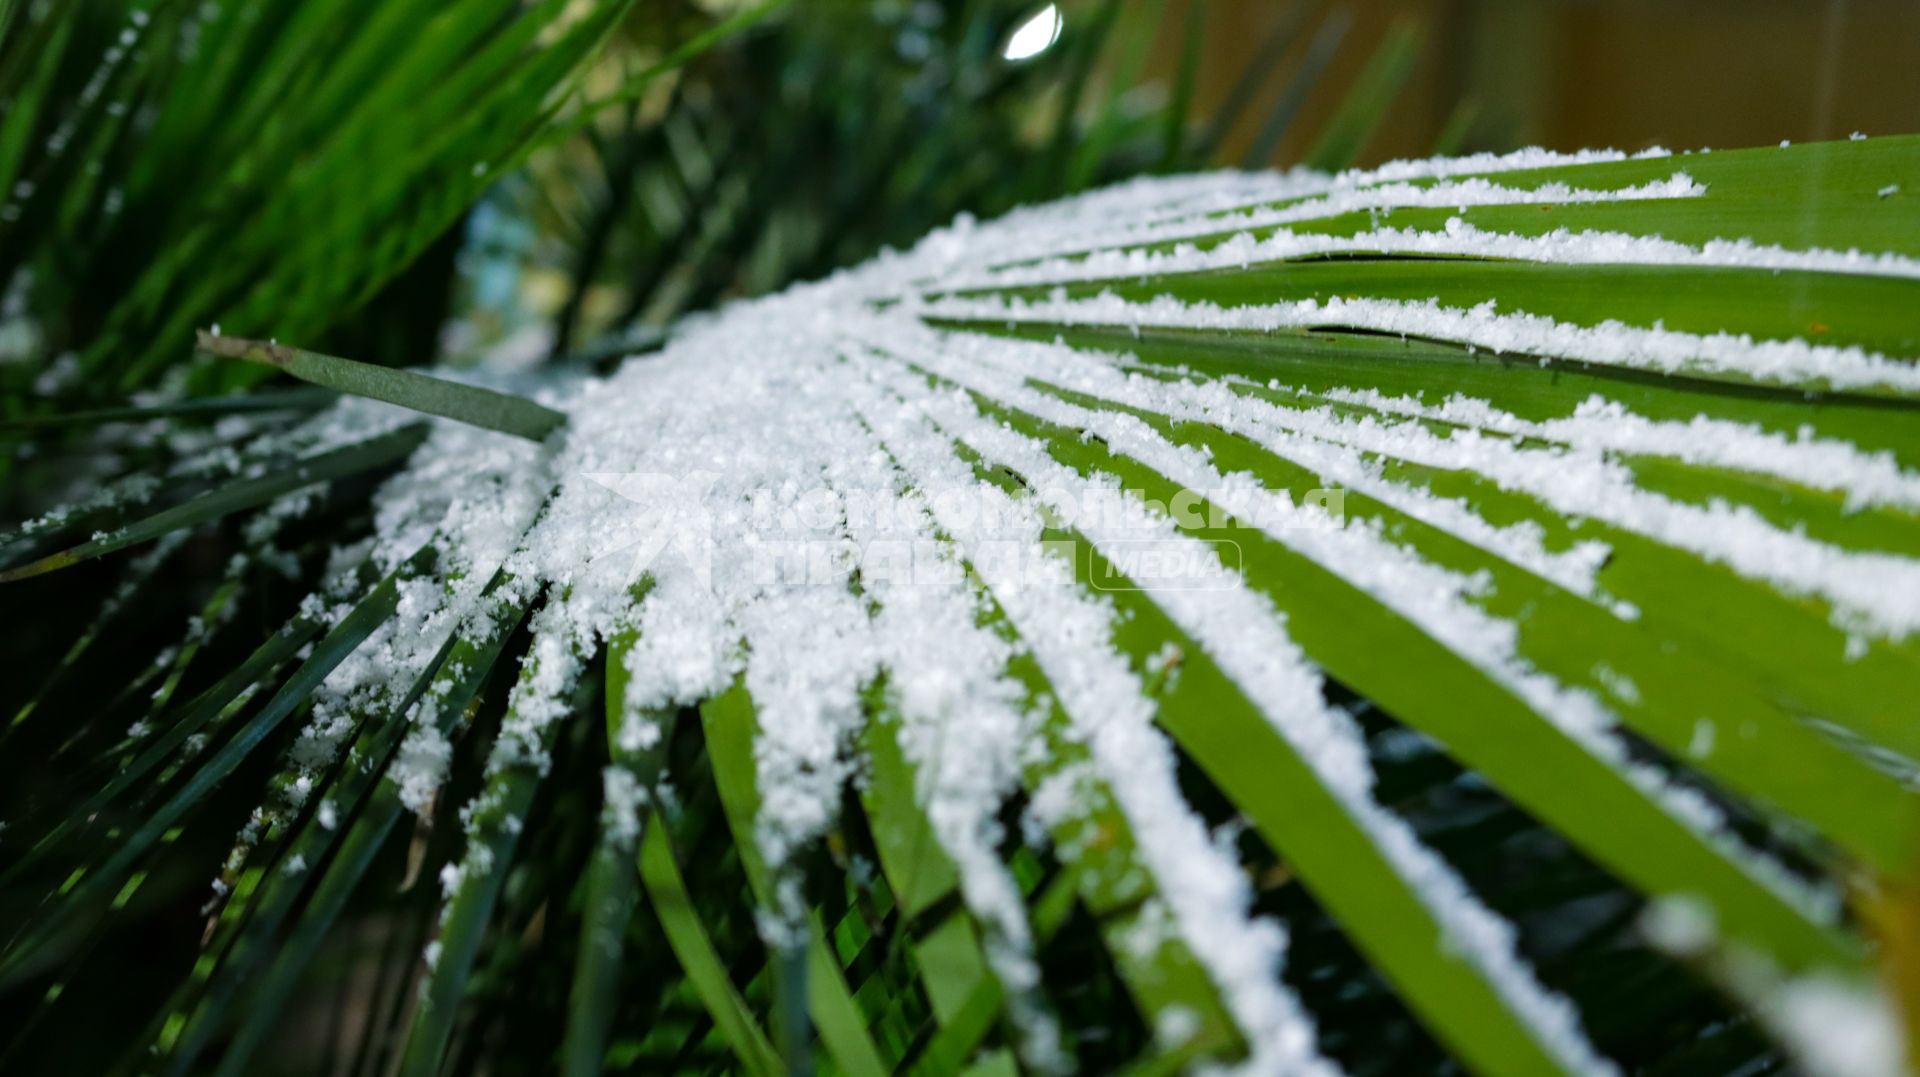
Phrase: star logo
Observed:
(669, 516)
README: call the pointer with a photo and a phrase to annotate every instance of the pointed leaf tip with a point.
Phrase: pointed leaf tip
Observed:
(472, 404)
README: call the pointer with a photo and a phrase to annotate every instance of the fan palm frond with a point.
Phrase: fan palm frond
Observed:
(1299, 620)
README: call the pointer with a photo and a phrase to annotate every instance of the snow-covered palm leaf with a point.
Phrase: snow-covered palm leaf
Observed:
(1464, 565)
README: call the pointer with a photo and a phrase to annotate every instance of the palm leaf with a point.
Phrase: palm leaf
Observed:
(473, 404)
(1616, 523)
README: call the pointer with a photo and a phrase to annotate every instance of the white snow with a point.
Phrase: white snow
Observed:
(1737, 356)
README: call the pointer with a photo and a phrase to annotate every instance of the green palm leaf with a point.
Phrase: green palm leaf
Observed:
(1590, 483)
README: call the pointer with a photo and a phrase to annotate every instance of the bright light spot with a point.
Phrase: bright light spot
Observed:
(1036, 35)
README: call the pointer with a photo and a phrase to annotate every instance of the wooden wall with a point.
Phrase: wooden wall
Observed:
(1573, 73)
